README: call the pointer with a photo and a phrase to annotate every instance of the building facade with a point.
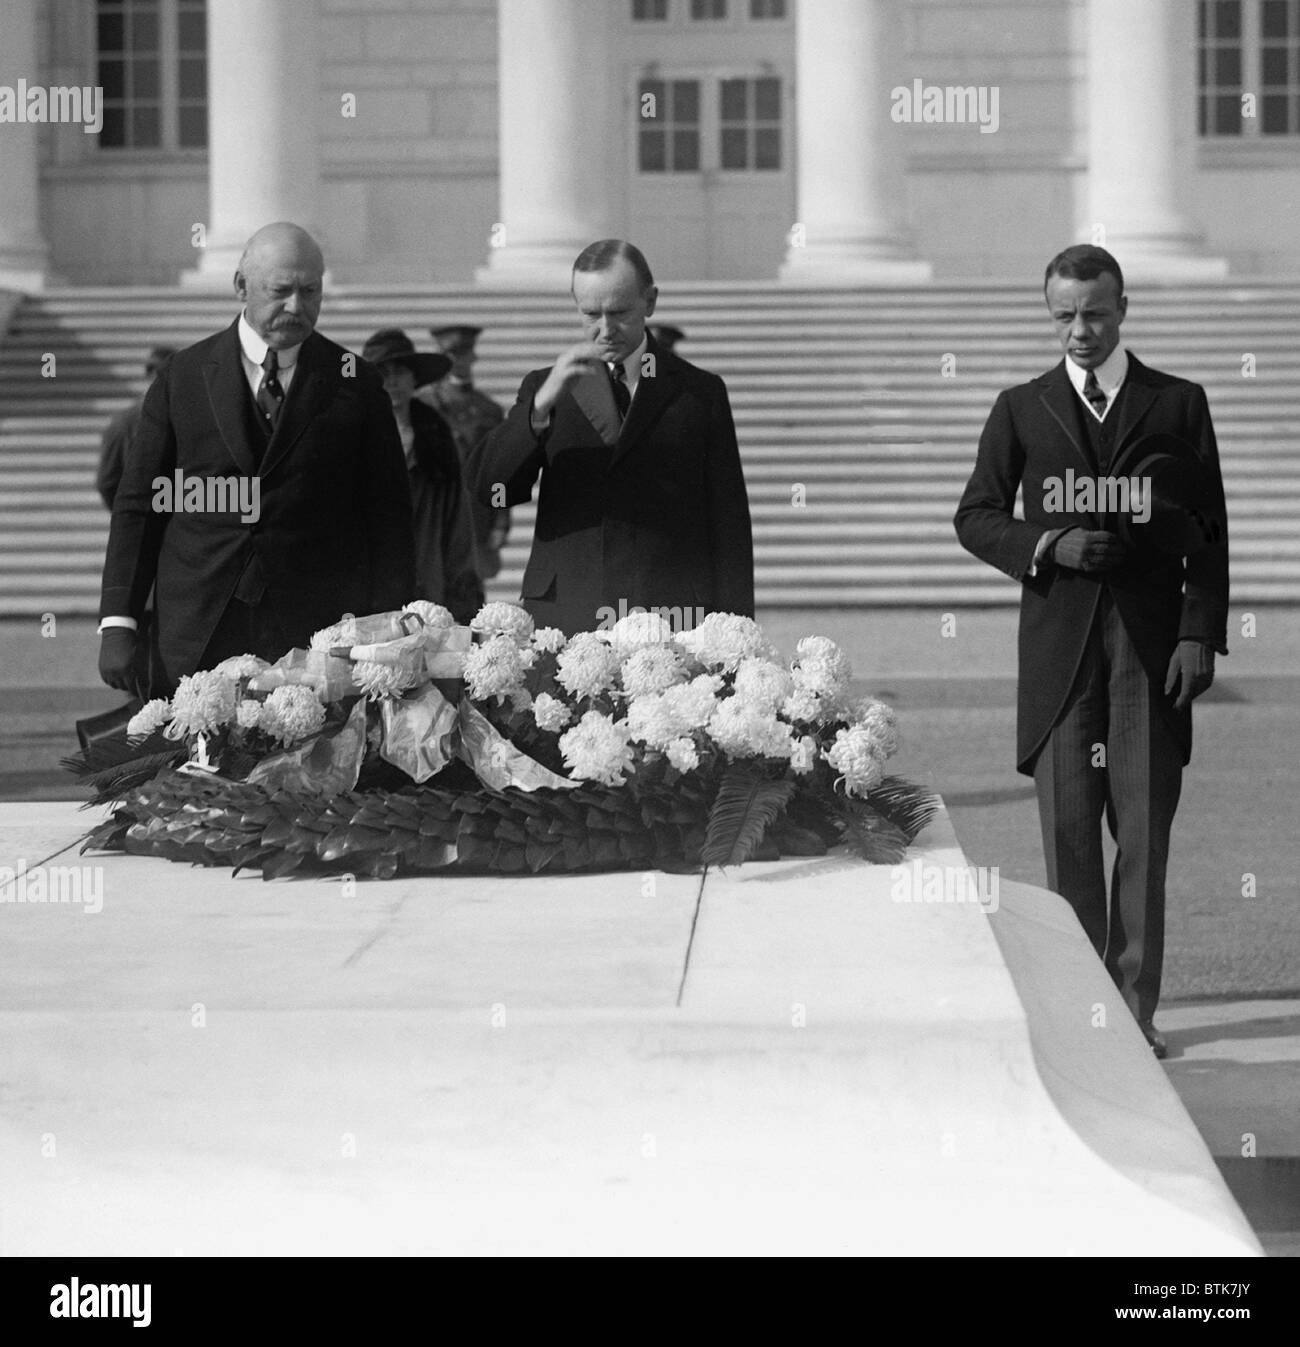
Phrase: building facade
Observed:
(803, 141)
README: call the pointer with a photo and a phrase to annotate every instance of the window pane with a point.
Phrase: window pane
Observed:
(767, 147)
(112, 75)
(1229, 67)
(1275, 65)
(192, 30)
(110, 30)
(653, 107)
(1202, 65)
(686, 151)
(1227, 18)
(708, 9)
(193, 128)
(145, 31)
(652, 156)
(1227, 116)
(649, 11)
(146, 127)
(767, 100)
(194, 77)
(1273, 121)
(112, 134)
(734, 100)
(686, 101)
(734, 148)
(1274, 18)
(767, 9)
(146, 79)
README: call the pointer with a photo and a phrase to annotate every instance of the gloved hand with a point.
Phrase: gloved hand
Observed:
(117, 658)
(1088, 550)
(1192, 666)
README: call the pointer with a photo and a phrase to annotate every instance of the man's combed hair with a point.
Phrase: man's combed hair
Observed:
(602, 255)
(1083, 262)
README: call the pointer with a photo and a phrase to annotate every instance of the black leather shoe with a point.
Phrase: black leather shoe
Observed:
(1156, 1040)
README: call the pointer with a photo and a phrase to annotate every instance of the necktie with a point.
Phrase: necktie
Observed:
(1093, 392)
(270, 395)
(622, 394)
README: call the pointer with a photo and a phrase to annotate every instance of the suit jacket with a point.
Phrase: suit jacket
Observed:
(658, 519)
(446, 562)
(1033, 433)
(334, 530)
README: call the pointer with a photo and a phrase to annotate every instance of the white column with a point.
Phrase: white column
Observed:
(1141, 138)
(263, 126)
(850, 174)
(554, 132)
(24, 255)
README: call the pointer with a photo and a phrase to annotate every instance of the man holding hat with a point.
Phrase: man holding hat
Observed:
(446, 561)
(1122, 555)
(471, 414)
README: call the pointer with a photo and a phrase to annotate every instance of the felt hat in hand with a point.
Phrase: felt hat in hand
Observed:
(1174, 508)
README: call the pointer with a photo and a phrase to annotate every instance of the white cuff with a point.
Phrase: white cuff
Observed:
(128, 622)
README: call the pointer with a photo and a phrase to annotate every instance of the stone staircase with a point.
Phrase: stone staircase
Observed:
(857, 411)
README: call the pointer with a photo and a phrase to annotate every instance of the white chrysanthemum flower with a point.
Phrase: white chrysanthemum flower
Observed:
(586, 666)
(494, 668)
(636, 631)
(550, 713)
(854, 756)
(150, 717)
(291, 713)
(763, 684)
(548, 640)
(597, 749)
(521, 700)
(722, 640)
(504, 619)
(651, 669)
(803, 756)
(241, 666)
(341, 633)
(696, 701)
(683, 754)
(378, 681)
(248, 714)
(202, 702)
(821, 667)
(881, 722)
(432, 614)
(742, 732)
(653, 722)
(802, 705)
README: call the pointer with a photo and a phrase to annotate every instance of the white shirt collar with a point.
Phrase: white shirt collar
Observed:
(254, 348)
(632, 364)
(1110, 373)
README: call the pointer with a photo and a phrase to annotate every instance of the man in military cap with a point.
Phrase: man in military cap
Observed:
(471, 414)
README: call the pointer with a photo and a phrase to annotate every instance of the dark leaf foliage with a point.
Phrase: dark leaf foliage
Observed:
(719, 816)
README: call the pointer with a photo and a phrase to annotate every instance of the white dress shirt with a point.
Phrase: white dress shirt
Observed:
(252, 351)
(1111, 374)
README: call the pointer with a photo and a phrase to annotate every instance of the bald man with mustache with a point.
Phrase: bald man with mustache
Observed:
(266, 492)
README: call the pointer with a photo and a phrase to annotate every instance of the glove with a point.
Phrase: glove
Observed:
(117, 658)
(1088, 550)
(1192, 666)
